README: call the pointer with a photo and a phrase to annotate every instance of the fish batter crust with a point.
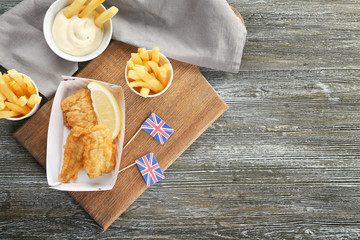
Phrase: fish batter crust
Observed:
(73, 154)
(99, 153)
(78, 110)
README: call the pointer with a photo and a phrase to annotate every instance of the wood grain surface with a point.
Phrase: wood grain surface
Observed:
(281, 163)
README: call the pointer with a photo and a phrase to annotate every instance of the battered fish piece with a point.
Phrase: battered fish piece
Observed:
(98, 151)
(78, 110)
(73, 154)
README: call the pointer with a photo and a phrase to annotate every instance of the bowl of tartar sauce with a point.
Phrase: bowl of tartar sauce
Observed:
(75, 39)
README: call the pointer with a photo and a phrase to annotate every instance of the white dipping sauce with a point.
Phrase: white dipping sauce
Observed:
(76, 36)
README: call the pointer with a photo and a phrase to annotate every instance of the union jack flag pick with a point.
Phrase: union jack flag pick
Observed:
(150, 169)
(157, 128)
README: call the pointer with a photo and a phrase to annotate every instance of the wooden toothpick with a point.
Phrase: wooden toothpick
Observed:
(127, 144)
(127, 167)
(132, 138)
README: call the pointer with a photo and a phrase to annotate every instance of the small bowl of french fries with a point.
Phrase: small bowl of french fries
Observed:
(19, 96)
(148, 73)
(78, 30)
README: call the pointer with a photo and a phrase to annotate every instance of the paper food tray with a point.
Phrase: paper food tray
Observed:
(58, 132)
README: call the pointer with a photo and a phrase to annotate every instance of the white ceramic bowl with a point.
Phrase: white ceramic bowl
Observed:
(47, 29)
(162, 60)
(35, 108)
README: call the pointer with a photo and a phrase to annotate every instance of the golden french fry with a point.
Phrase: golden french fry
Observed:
(155, 67)
(30, 86)
(141, 49)
(8, 114)
(6, 91)
(146, 64)
(106, 15)
(136, 58)
(156, 85)
(74, 8)
(23, 110)
(130, 64)
(2, 105)
(153, 74)
(90, 7)
(155, 54)
(34, 99)
(7, 79)
(18, 78)
(167, 66)
(144, 54)
(2, 97)
(139, 84)
(133, 75)
(141, 66)
(144, 92)
(163, 76)
(22, 101)
(15, 87)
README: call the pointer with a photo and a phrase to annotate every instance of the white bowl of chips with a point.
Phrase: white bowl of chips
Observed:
(156, 71)
(19, 96)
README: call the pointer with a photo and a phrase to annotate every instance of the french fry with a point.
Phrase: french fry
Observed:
(6, 91)
(29, 85)
(105, 16)
(141, 49)
(156, 85)
(144, 54)
(142, 67)
(2, 105)
(155, 67)
(136, 58)
(8, 114)
(130, 64)
(23, 110)
(7, 79)
(146, 64)
(18, 78)
(2, 97)
(133, 75)
(74, 8)
(34, 99)
(155, 54)
(144, 92)
(139, 84)
(90, 7)
(167, 66)
(22, 101)
(163, 75)
(15, 87)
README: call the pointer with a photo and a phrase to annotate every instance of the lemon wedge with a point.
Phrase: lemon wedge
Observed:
(106, 108)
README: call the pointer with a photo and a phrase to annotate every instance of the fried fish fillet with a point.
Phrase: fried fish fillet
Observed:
(78, 110)
(99, 156)
(73, 154)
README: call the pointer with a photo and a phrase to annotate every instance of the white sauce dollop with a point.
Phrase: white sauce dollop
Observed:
(76, 36)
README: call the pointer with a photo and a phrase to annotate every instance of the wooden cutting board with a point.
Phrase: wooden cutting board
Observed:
(189, 106)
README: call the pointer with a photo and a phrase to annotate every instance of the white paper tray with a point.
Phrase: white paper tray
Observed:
(57, 135)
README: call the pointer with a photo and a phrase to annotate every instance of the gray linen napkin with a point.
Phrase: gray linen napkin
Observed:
(203, 32)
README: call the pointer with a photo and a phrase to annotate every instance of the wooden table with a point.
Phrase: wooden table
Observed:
(281, 163)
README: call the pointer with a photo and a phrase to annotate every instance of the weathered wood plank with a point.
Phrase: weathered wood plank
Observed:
(319, 34)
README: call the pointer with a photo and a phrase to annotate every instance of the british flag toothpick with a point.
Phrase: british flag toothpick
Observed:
(150, 169)
(157, 128)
